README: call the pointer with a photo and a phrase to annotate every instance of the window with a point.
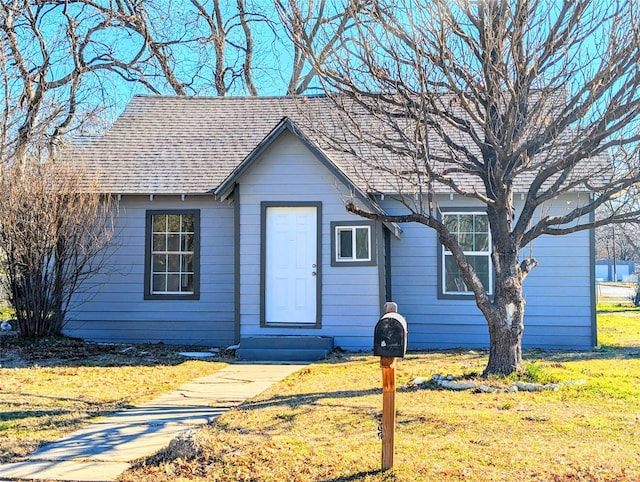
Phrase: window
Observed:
(353, 244)
(472, 232)
(172, 254)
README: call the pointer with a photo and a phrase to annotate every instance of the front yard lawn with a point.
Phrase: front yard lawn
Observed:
(54, 386)
(321, 424)
(618, 325)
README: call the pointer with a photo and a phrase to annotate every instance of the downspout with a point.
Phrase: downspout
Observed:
(592, 277)
(236, 264)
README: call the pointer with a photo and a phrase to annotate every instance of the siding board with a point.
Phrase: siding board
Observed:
(112, 307)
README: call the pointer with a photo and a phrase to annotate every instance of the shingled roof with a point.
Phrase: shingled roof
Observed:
(184, 145)
(191, 145)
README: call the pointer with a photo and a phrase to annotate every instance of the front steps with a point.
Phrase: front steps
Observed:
(284, 348)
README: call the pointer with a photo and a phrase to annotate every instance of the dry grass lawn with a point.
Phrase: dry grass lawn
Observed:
(321, 424)
(53, 387)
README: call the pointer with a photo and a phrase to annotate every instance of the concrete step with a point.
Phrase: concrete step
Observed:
(281, 354)
(285, 348)
(287, 341)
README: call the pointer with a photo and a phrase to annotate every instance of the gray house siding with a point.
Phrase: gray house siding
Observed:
(558, 292)
(287, 172)
(112, 307)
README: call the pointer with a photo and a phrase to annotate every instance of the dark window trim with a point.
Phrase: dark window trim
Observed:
(264, 205)
(196, 256)
(236, 263)
(455, 296)
(373, 249)
(388, 292)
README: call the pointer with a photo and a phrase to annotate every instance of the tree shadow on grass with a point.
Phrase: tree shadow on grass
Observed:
(296, 401)
(94, 409)
(387, 476)
(601, 353)
(16, 415)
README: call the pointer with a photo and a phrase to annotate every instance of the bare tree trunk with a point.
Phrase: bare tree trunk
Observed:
(505, 352)
(247, 65)
(506, 327)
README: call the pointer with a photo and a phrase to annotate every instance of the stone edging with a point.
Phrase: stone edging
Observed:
(447, 382)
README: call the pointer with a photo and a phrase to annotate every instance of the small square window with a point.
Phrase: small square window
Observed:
(353, 244)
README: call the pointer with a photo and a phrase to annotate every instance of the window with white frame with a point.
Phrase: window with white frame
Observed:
(471, 230)
(172, 254)
(352, 244)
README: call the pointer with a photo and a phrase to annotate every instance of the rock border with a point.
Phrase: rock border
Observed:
(448, 382)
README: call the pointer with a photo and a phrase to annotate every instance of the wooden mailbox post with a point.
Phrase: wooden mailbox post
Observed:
(388, 410)
(389, 342)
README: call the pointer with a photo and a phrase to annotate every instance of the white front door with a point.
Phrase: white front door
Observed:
(290, 291)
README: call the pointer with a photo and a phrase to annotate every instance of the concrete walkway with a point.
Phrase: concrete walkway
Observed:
(104, 449)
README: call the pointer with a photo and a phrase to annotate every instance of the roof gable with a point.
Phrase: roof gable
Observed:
(288, 125)
(285, 125)
(179, 145)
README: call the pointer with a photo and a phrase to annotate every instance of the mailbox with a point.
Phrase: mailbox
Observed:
(390, 336)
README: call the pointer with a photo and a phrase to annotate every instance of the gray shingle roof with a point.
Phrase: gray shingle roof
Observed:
(190, 145)
(186, 145)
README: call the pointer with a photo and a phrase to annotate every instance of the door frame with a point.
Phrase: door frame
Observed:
(264, 205)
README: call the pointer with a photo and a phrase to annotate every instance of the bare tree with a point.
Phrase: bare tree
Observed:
(64, 64)
(311, 20)
(617, 241)
(236, 38)
(227, 38)
(52, 238)
(56, 68)
(484, 99)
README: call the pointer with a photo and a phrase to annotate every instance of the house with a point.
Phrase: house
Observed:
(232, 228)
(621, 270)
